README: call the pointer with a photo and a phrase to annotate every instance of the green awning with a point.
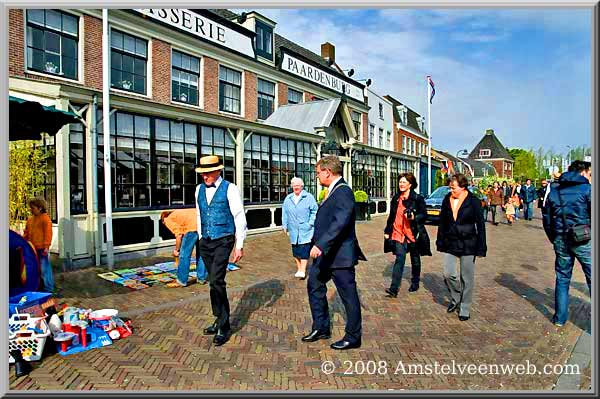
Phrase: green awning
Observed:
(28, 119)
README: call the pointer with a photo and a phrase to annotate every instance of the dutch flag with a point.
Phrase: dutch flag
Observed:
(432, 89)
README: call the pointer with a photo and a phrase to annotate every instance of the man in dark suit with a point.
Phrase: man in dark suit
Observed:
(335, 253)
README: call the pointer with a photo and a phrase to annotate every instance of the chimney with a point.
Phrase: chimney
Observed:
(489, 132)
(328, 52)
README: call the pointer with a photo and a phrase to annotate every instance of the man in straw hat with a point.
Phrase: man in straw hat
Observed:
(221, 227)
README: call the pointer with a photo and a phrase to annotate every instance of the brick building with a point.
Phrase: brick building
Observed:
(184, 83)
(491, 151)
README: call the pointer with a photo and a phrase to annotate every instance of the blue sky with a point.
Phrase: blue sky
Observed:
(526, 73)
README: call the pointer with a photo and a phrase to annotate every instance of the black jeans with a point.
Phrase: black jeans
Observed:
(215, 254)
(415, 260)
(493, 208)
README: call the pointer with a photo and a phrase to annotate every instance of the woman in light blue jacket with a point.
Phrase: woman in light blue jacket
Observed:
(298, 220)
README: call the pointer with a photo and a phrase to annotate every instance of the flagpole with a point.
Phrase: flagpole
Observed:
(106, 131)
(429, 133)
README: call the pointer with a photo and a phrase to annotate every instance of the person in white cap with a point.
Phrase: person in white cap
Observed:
(221, 228)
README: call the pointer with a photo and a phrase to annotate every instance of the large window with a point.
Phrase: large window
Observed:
(77, 168)
(380, 142)
(128, 62)
(398, 166)
(271, 162)
(356, 120)
(266, 98)
(185, 73)
(389, 140)
(155, 159)
(264, 40)
(230, 90)
(294, 96)
(52, 38)
(371, 135)
(369, 175)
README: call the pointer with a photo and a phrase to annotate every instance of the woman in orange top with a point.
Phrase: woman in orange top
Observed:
(39, 231)
(406, 230)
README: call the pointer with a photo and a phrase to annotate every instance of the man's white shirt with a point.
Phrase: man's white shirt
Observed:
(236, 207)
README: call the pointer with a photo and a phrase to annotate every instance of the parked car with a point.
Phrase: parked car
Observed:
(433, 203)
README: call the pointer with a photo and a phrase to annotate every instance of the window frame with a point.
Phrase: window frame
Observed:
(267, 97)
(62, 34)
(223, 84)
(122, 52)
(301, 93)
(371, 138)
(485, 153)
(190, 71)
(260, 48)
(357, 122)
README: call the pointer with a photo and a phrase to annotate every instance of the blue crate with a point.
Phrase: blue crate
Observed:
(33, 298)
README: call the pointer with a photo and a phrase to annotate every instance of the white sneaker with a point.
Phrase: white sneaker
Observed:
(300, 274)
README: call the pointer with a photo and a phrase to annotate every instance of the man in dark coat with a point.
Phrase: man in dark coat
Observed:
(461, 235)
(335, 253)
(528, 195)
(569, 204)
(541, 193)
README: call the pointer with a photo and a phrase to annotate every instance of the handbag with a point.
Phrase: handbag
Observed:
(578, 234)
(389, 245)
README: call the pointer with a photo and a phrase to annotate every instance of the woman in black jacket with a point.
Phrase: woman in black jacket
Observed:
(405, 233)
(461, 235)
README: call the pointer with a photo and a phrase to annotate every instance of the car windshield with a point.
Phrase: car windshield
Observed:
(440, 192)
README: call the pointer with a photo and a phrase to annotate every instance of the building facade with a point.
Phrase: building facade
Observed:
(184, 84)
(491, 151)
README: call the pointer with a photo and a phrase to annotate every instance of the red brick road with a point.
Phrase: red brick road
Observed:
(509, 324)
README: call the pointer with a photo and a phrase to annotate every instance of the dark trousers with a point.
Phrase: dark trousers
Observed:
(493, 208)
(345, 282)
(415, 260)
(215, 254)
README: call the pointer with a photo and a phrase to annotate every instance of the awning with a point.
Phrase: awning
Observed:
(28, 119)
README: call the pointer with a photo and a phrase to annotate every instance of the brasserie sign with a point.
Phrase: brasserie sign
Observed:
(203, 27)
(316, 75)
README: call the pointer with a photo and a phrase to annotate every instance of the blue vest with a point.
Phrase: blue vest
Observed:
(216, 219)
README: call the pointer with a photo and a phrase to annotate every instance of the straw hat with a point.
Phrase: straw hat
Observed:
(209, 163)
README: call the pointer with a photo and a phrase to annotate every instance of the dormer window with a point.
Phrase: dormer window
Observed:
(485, 153)
(264, 40)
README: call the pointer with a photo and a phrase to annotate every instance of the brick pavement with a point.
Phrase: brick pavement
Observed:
(513, 302)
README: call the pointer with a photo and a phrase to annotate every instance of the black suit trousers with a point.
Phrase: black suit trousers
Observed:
(345, 282)
(215, 254)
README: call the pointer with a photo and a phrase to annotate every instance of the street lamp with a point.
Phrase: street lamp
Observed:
(462, 152)
(360, 157)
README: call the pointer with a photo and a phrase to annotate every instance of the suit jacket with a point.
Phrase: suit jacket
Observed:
(335, 232)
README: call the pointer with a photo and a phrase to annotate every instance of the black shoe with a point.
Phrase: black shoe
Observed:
(463, 318)
(413, 287)
(452, 307)
(316, 335)
(22, 367)
(391, 294)
(496, 223)
(212, 330)
(221, 337)
(343, 345)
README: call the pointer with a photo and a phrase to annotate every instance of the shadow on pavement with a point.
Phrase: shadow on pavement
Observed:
(435, 284)
(260, 295)
(543, 301)
(529, 267)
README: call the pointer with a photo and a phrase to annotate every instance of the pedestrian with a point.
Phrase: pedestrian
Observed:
(298, 220)
(516, 194)
(485, 206)
(510, 211)
(541, 193)
(528, 195)
(495, 198)
(567, 223)
(335, 252)
(405, 231)
(183, 223)
(506, 191)
(38, 231)
(221, 228)
(461, 236)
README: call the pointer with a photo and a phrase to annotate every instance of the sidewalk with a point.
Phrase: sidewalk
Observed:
(513, 303)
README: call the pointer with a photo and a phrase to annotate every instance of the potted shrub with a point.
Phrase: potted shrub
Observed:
(361, 205)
